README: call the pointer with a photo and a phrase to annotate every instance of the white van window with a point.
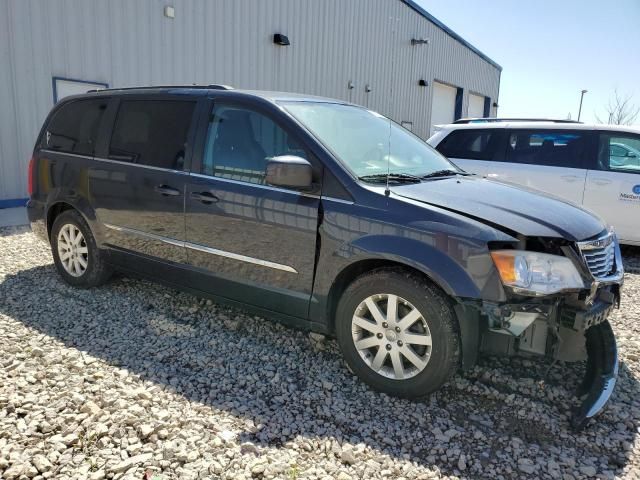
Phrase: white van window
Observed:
(548, 148)
(619, 152)
(481, 144)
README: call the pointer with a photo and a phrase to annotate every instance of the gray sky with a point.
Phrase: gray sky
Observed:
(552, 49)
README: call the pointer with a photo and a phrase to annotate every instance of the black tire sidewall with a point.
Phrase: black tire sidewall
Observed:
(95, 272)
(438, 314)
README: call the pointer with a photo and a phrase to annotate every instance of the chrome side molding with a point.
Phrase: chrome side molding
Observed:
(202, 248)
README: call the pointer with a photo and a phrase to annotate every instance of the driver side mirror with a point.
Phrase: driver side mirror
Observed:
(289, 171)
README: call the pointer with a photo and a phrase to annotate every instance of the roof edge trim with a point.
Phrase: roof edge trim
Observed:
(413, 5)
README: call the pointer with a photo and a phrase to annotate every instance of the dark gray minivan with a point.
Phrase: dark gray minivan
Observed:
(329, 217)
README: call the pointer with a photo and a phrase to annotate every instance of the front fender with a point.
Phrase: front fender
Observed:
(461, 267)
(433, 262)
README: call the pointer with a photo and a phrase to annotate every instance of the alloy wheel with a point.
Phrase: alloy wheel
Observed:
(72, 250)
(391, 336)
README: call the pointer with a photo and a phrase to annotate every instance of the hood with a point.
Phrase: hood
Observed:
(528, 212)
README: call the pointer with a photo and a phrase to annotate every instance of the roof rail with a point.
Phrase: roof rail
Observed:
(213, 86)
(494, 119)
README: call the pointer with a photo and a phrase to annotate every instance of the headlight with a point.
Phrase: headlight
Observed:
(533, 273)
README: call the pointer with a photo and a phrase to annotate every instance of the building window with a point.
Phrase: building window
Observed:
(63, 87)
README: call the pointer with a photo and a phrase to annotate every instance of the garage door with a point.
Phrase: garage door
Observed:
(476, 106)
(443, 108)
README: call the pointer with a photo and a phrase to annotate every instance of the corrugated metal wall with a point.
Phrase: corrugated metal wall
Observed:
(125, 43)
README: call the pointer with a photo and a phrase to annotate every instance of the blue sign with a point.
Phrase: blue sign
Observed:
(636, 189)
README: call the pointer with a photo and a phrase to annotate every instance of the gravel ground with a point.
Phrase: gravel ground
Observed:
(137, 381)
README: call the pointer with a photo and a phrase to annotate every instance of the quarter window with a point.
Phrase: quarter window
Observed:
(74, 127)
(481, 144)
(152, 132)
(619, 152)
(548, 148)
(241, 141)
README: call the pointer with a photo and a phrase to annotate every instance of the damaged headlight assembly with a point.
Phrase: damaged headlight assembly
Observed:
(536, 274)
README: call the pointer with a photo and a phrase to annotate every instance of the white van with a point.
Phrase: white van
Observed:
(596, 166)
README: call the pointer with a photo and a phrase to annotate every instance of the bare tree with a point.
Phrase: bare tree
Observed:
(620, 110)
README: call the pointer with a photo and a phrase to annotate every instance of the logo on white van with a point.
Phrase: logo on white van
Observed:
(631, 197)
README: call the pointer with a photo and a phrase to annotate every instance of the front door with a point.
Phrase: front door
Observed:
(257, 242)
(613, 187)
(137, 187)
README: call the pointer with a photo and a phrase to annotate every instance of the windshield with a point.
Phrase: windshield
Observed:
(370, 144)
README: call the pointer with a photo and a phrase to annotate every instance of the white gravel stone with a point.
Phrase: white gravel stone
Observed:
(348, 456)
(42, 463)
(109, 382)
(130, 462)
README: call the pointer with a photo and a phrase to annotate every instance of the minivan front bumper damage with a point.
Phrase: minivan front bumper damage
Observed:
(560, 331)
(600, 376)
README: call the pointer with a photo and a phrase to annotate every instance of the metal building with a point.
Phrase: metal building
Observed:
(389, 55)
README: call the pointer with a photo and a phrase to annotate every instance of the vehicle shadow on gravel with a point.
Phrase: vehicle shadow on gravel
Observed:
(505, 417)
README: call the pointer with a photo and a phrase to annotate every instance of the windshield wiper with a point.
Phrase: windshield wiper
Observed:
(444, 173)
(393, 177)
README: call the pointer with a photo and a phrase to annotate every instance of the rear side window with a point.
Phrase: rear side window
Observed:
(560, 148)
(74, 127)
(152, 132)
(619, 152)
(480, 144)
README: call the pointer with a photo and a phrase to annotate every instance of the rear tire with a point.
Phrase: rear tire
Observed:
(77, 258)
(398, 333)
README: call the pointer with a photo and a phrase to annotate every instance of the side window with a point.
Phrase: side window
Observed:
(480, 144)
(619, 151)
(560, 148)
(74, 127)
(240, 142)
(152, 132)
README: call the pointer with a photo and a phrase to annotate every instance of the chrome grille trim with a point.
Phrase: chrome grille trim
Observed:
(600, 255)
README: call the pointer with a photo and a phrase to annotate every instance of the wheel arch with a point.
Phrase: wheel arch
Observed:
(59, 206)
(467, 318)
(354, 270)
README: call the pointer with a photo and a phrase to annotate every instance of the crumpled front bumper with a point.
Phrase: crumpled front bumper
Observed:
(601, 374)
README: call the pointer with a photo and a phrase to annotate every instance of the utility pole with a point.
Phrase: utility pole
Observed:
(580, 109)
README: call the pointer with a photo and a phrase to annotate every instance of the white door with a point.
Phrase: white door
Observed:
(443, 106)
(553, 161)
(476, 106)
(613, 189)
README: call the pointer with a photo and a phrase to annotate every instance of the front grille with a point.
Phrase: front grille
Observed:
(600, 256)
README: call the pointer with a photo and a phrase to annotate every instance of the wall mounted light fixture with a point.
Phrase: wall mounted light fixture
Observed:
(423, 83)
(169, 11)
(351, 85)
(420, 41)
(281, 39)
(367, 88)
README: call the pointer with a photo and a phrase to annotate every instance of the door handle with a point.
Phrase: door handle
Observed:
(570, 178)
(204, 197)
(166, 190)
(601, 181)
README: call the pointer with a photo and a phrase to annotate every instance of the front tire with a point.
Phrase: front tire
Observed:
(398, 333)
(77, 258)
